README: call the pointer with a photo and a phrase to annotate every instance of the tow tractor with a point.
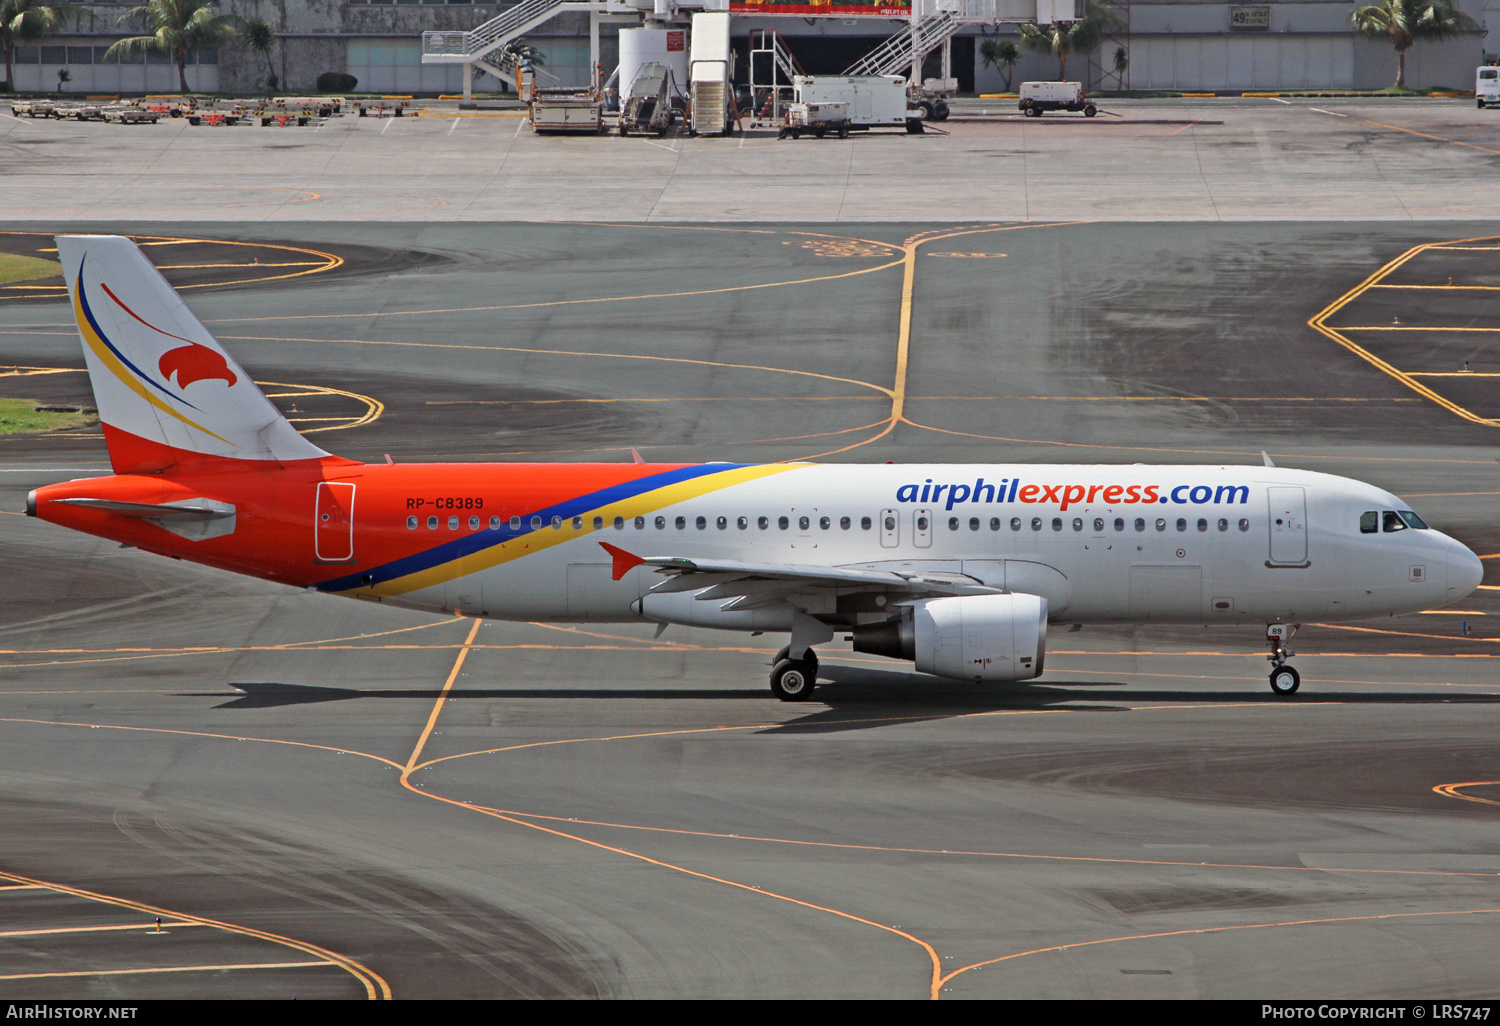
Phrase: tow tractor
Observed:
(816, 118)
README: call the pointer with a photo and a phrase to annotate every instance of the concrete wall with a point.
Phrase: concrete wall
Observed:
(1174, 44)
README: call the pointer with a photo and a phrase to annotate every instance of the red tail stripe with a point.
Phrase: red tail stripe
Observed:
(138, 317)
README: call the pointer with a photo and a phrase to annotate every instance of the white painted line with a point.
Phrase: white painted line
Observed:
(520, 125)
(1335, 113)
(455, 125)
(388, 123)
(1279, 100)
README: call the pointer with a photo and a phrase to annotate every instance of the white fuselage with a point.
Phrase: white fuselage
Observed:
(1168, 544)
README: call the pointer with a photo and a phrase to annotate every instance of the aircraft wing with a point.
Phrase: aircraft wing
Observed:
(731, 577)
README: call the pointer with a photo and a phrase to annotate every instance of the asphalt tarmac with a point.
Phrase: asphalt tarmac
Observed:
(327, 798)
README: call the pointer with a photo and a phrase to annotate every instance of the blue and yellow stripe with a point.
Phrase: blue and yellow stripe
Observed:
(485, 548)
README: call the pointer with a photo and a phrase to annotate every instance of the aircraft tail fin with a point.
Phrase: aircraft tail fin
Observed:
(169, 396)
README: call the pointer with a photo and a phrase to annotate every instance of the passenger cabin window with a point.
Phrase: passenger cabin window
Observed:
(473, 523)
(742, 523)
(411, 523)
(845, 523)
(803, 523)
(953, 523)
(1392, 522)
(598, 524)
(661, 523)
(864, 523)
(763, 522)
(577, 523)
(721, 523)
(432, 523)
(1015, 523)
(824, 523)
(680, 523)
(515, 523)
(702, 522)
(994, 523)
(1119, 523)
(1369, 522)
(783, 523)
(1057, 523)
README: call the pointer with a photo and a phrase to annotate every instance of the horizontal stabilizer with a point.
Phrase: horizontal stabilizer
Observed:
(206, 509)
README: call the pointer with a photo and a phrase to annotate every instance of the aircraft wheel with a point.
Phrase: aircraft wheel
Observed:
(1285, 681)
(793, 680)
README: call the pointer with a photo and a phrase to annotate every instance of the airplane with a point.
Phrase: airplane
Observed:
(956, 568)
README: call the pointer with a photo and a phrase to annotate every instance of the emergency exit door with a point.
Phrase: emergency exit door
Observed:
(1288, 509)
(333, 530)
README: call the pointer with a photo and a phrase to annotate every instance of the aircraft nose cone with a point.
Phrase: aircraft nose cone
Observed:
(1465, 571)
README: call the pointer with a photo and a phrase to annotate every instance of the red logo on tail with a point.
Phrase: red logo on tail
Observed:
(193, 362)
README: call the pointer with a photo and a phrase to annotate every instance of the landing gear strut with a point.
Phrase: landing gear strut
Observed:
(1284, 679)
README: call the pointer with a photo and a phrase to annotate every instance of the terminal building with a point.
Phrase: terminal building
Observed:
(1182, 45)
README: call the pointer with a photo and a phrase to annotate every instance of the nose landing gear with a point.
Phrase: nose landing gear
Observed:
(1284, 679)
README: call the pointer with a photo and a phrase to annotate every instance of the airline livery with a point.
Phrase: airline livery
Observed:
(957, 568)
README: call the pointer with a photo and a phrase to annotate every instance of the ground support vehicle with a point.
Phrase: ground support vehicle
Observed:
(816, 118)
(648, 108)
(875, 101)
(381, 108)
(78, 111)
(573, 112)
(1036, 98)
(32, 108)
(129, 114)
(1487, 87)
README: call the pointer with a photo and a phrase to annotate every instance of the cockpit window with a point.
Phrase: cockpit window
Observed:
(1391, 522)
(1369, 523)
(1412, 520)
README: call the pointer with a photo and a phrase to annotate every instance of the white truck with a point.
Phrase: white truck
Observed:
(1487, 87)
(1040, 97)
(875, 101)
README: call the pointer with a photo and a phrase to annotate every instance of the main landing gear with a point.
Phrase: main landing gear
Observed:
(793, 680)
(1284, 679)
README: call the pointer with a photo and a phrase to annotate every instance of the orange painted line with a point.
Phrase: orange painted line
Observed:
(164, 969)
(375, 986)
(1452, 791)
(1205, 930)
(1428, 135)
(143, 927)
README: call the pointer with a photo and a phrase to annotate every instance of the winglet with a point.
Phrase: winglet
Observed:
(636, 456)
(1267, 458)
(624, 561)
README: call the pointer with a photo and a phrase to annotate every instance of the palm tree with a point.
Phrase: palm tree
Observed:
(1403, 22)
(1002, 55)
(1121, 62)
(29, 21)
(1064, 38)
(180, 27)
(260, 37)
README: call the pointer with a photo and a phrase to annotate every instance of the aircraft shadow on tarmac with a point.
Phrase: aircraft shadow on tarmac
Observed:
(858, 698)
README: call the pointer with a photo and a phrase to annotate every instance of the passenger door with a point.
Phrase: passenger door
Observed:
(333, 526)
(1288, 525)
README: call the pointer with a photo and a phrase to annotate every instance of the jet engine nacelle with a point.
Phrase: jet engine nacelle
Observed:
(969, 637)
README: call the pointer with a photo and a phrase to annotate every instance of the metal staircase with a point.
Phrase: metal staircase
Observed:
(933, 22)
(478, 46)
